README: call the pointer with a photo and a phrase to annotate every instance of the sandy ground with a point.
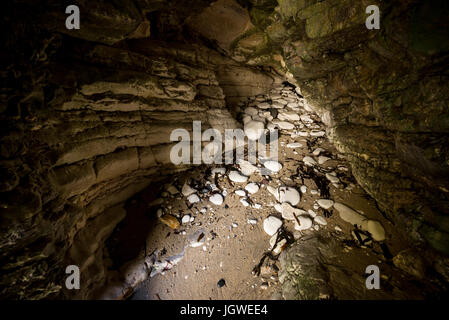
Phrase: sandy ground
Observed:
(232, 246)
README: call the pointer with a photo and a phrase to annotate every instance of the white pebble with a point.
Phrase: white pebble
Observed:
(325, 203)
(320, 220)
(185, 219)
(193, 198)
(252, 187)
(235, 176)
(271, 225)
(273, 165)
(240, 193)
(216, 199)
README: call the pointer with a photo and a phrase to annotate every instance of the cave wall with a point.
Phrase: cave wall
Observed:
(86, 122)
(86, 115)
(382, 93)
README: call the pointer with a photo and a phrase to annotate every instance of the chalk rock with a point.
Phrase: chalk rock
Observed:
(320, 220)
(251, 111)
(246, 168)
(294, 145)
(375, 228)
(240, 193)
(332, 178)
(271, 225)
(323, 159)
(254, 129)
(306, 118)
(264, 105)
(252, 221)
(279, 246)
(193, 198)
(244, 202)
(304, 223)
(317, 151)
(311, 213)
(216, 199)
(219, 171)
(285, 194)
(289, 212)
(273, 166)
(185, 219)
(246, 118)
(187, 190)
(315, 133)
(288, 116)
(252, 187)
(325, 203)
(349, 215)
(309, 161)
(284, 124)
(170, 221)
(235, 176)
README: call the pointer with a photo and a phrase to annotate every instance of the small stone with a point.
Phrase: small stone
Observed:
(315, 133)
(323, 159)
(264, 105)
(246, 168)
(170, 221)
(284, 125)
(309, 161)
(244, 202)
(311, 213)
(221, 283)
(240, 193)
(185, 219)
(252, 221)
(216, 199)
(172, 190)
(288, 212)
(279, 246)
(332, 178)
(306, 118)
(375, 228)
(294, 145)
(252, 187)
(325, 203)
(235, 176)
(193, 198)
(274, 166)
(285, 194)
(337, 228)
(304, 223)
(271, 225)
(349, 215)
(303, 189)
(219, 171)
(251, 111)
(288, 116)
(320, 220)
(317, 151)
(254, 129)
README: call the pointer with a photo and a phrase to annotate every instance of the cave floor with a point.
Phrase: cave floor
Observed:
(221, 266)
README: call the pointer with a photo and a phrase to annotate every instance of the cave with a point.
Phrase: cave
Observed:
(347, 196)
